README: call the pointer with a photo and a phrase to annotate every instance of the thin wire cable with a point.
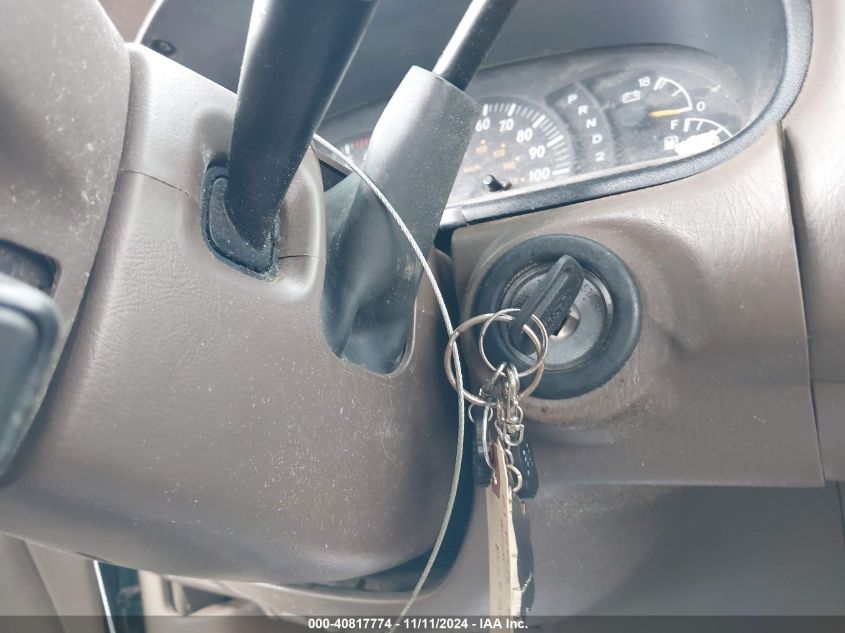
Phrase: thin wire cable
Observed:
(444, 312)
(104, 596)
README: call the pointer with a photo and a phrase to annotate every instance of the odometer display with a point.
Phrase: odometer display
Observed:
(515, 145)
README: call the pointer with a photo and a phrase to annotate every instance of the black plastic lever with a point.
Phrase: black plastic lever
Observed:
(550, 302)
(472, 39)
(296, 54)
(415, 152)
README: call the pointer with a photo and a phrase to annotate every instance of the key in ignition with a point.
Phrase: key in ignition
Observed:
(550, 302)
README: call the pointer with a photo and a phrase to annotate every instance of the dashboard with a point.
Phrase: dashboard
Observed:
(560, 119)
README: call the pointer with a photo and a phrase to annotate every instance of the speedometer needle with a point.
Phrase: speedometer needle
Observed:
(672, 112)
(491, 183)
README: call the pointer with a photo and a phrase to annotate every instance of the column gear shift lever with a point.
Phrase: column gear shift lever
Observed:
(416, 149)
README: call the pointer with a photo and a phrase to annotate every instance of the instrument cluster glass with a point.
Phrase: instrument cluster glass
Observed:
(557, 120)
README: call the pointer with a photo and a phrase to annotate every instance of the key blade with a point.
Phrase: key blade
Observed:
(550, 301)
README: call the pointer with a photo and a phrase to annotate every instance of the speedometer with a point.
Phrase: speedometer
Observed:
(516, 144)
(593, 120)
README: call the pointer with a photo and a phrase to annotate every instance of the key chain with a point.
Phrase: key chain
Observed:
(503, 463)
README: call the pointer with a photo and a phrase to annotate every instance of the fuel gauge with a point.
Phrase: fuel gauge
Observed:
(666, 114)
(696, 134)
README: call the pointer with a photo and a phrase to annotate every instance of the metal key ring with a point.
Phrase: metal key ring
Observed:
(471, 413)
(486, 437)
(541, 346)
(477, 320)
(513, 470)
(485, 420)
(488, 387)
(505, 435)
(507, 316)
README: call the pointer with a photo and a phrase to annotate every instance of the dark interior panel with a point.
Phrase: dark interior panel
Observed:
(209, 37)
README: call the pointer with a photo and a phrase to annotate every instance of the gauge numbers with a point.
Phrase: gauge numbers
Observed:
(687, 134)
(515, 145)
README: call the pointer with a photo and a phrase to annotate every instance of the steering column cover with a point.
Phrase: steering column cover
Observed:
(200, 424)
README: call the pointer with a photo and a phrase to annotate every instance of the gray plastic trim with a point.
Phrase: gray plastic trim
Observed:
(64, 86)
(200, 424)
(717, 390)
(813, 133)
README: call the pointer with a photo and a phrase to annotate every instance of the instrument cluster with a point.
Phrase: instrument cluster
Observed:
(550, 121)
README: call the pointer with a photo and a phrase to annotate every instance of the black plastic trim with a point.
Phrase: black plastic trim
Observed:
(18, 397)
